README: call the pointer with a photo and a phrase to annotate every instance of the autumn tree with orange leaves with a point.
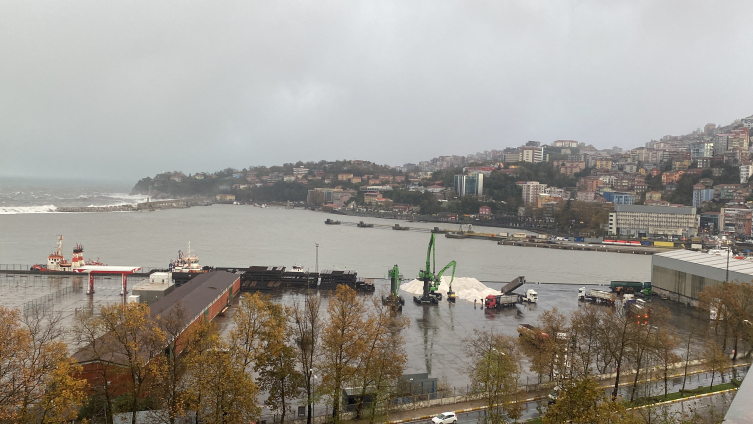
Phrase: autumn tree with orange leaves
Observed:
(38, 382)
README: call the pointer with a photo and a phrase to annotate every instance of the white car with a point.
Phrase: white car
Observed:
(445, 418)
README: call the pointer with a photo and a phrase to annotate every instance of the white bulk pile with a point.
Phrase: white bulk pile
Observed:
(464, 288)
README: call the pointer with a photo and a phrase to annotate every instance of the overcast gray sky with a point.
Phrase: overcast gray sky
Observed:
(126, 89)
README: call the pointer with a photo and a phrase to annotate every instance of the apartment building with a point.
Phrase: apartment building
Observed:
(701, 149)
(330, 196)
(619, 197)
(603, 164)
(701, 194)
(570, 144)
(531, 154)
(642, 221)
(738, 139)
(745, 172)
(531, 190)
(469, 185)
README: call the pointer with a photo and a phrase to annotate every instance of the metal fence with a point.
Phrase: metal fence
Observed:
(27, 267)
(405, 402)
(49, 300)
(15, 267)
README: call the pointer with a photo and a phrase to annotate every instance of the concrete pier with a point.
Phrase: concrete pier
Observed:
(636, 250)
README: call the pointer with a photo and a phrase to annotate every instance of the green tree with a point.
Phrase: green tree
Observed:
(667, 341)
(276, 367)
(384, 356)
(583, 401)
(220, 388)
(137, 338)
(715, 359)
(171, 367)
(342, 344)
(494, 369)
(307, 329)
(37, 376)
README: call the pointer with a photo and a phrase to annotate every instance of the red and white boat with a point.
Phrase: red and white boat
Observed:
(56, 261)
(186, 263)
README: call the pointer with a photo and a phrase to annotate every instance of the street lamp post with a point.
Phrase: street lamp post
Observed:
(497, 376)
(728, 243)
(312, 404)
(317, 258)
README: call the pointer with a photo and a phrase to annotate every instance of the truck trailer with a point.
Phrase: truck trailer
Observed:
(626, 286)
(500, 301)
(598, 296)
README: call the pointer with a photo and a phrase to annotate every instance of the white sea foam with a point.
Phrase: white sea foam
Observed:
(464, 288)
(10, 210)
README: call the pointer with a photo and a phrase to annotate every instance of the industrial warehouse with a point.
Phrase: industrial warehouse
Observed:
(204, 297)
(682, 274)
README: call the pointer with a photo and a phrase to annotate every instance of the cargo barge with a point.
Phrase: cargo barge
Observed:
(268, 278)
(329, 280)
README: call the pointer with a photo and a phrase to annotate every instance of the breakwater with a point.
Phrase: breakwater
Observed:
(144, 206)
(117, 208)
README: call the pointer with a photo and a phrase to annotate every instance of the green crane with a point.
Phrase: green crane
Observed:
(431, 280)
(394, 299)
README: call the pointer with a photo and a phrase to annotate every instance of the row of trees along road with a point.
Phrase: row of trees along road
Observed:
(572, 349)
(273, 349)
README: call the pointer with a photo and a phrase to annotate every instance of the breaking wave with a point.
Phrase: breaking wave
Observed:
(10, 210)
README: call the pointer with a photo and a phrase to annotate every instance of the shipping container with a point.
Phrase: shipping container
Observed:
(647, 243)
(580, 239)
(626, 286)
(696, 246)
(664, 244)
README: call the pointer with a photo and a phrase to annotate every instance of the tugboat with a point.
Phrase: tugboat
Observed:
(185, 267)
(56, 262)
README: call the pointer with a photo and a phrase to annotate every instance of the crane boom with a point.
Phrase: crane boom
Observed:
(439, 276)
(432, 280)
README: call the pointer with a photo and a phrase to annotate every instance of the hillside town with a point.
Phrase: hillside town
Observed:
(679, 186)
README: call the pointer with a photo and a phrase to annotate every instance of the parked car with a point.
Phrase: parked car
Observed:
(445, 418)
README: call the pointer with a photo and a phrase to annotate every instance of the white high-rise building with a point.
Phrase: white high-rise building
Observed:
(745, 172)
(531, 191)
(531, 154)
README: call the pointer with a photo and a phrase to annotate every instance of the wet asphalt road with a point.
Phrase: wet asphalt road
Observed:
(718, 403)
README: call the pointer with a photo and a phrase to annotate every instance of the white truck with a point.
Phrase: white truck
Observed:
(598, 296)
(531, 296)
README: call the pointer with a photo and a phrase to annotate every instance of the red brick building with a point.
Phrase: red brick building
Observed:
(203, 298)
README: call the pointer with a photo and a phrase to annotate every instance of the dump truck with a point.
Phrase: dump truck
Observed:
(500, 301)
(598, 296)
(531, 331)
(640, 311)
(531, 296)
